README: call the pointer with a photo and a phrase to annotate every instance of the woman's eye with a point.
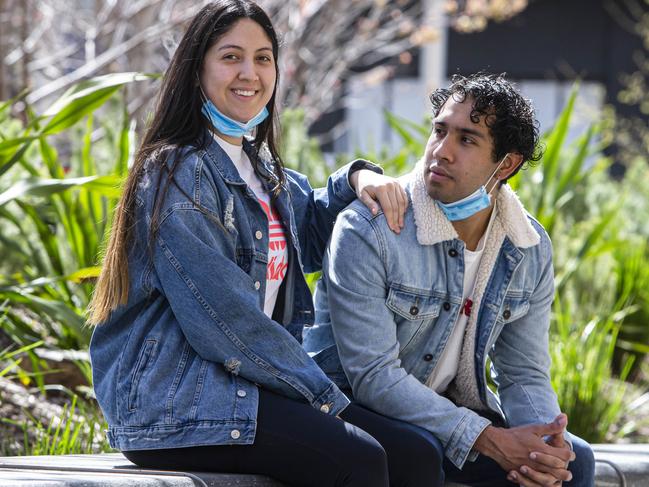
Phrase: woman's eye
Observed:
(264, 59)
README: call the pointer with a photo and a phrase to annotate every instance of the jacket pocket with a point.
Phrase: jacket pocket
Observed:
(145, 356)
(513, 308)
(244, 259)
(415, 312)
(413, 305)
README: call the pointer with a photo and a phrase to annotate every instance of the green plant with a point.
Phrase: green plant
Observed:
(600, 276)
(582, 356)
(632, 284)
(9, 363)
(299, 151)
(55, 209)
(79, 430)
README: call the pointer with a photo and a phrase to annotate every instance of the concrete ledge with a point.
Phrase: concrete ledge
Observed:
(622, 465)
(617, 465)
(111, 470)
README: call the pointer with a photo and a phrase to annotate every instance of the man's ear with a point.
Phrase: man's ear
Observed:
(510, 163)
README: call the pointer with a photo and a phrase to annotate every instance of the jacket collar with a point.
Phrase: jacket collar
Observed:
(433, 227)
(226, 167)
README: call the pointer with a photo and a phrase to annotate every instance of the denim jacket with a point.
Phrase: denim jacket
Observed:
(387, 305)
(180, 363)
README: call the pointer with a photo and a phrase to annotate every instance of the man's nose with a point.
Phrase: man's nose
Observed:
(443, 149)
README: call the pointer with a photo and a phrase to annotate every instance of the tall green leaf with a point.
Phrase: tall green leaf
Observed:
(41, 187)
(84, 98)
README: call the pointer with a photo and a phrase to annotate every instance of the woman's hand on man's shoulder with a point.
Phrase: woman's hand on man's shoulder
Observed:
(384, 192)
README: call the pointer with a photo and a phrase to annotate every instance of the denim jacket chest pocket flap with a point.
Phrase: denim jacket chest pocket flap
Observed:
(513, 307)
(414, 309)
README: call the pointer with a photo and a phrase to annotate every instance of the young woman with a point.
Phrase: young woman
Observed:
(201, 303)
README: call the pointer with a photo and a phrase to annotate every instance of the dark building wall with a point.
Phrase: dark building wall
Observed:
(554, 40)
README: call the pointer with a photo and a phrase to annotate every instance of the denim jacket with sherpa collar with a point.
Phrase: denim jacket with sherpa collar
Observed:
(382, 326)
(180, 363)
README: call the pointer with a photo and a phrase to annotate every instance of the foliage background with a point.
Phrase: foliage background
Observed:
(63, 158)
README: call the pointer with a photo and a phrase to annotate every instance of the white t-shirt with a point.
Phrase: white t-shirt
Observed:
(277, 252)
(447, 365)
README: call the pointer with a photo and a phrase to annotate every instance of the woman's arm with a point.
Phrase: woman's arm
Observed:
(316, 209)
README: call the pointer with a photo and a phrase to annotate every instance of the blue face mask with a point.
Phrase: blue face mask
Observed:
(472, 204)
(227, 126)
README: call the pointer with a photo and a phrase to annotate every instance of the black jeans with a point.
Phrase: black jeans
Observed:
(300, 446)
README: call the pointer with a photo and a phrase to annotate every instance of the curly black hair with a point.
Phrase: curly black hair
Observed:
(509, 117)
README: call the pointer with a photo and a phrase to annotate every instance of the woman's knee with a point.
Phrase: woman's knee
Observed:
(364, 462)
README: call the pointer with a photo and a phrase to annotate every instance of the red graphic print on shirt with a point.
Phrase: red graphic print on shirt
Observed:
(468, 304)
(277, 254)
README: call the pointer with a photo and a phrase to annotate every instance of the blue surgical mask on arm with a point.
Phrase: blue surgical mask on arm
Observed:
(472, 204)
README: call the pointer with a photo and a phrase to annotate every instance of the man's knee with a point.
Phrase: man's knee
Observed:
(583, 467)
(423, 447)
(424, 455)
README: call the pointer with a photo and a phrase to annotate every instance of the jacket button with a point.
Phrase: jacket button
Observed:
(507, 314)
(257, 285)
(241, 393)
(325, 408)
(258, 235)
(235, 434)
(428, 357)
(452, 253)
(414, 310)
(446, 306)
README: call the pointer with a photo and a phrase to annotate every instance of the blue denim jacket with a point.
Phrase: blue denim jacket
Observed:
(179, 365)
(389, 303)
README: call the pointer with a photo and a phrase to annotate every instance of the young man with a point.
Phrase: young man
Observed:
(409, 321)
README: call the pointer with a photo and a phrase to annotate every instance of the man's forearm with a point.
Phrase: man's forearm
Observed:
(487, 442)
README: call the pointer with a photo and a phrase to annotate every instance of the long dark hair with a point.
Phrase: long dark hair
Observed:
(178, 122)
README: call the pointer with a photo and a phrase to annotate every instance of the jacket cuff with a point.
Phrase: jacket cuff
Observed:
(460, 447)
(342, 187)
(332, 401)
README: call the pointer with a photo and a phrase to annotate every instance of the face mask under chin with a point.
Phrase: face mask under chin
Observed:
(224, 124)
(471, 204)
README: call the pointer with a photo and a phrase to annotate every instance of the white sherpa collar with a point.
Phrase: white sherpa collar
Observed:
(433, 226)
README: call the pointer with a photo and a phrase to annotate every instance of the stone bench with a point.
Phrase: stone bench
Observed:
(617, 465)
